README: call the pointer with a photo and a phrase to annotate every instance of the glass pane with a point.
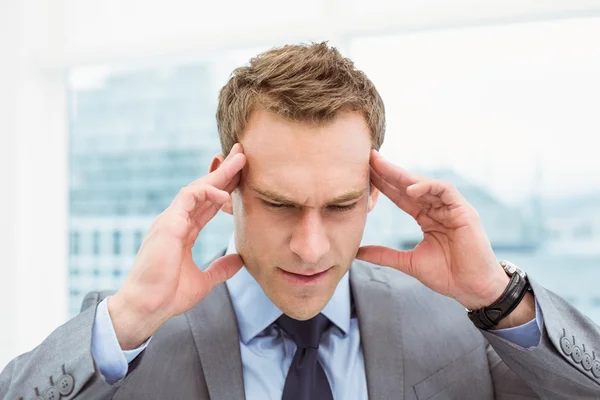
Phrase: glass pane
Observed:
(507, 113)
(137, 136)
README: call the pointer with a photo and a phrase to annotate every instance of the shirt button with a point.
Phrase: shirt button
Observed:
(565, 345)
(586, 361)
(65, 384)
(52, 394)
(596, 368)
(577, 354)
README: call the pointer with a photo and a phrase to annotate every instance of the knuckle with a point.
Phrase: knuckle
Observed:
(171, 223)
(185, 191)
(446, 184)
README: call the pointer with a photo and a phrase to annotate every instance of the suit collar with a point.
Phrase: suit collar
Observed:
(378, 311)
(215, 331)
(214, 326)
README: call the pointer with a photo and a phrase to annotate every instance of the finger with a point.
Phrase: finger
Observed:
(205, 216)
(398, 196)
(385, 256)
(200, 218)
(223, 268)
(237, 148)
(392, 174)
(433, 190)
(234, 183)
(189, 198)
(221, 177)
(199, 211)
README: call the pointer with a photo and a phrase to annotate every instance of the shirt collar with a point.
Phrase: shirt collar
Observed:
(255, 311)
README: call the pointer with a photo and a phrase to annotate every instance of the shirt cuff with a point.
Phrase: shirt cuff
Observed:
(110, 359)
(527, 335)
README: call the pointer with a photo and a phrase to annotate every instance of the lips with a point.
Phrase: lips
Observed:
(306, 273)
(305, 277)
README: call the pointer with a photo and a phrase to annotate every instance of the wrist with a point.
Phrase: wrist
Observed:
(496, 289)
(498, 285)
(132, 326)
(524, 313)
(509, 309)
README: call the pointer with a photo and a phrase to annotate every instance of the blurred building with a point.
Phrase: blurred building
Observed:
(137, 137)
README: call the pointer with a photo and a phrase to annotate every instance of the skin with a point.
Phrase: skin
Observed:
(302, 210)
(316, 180)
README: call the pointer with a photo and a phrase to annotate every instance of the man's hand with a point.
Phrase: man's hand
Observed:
(165, 281)
(455, 257)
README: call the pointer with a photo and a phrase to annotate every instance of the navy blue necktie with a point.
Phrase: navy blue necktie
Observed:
(306, 379)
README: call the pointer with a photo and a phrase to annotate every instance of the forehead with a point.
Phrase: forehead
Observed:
(307, 162)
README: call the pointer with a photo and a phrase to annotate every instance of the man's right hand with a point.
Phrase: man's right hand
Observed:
(165, 281)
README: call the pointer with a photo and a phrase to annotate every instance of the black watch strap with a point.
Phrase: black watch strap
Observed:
(490, 316)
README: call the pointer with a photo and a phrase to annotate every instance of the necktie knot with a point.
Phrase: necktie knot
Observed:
(306, 334)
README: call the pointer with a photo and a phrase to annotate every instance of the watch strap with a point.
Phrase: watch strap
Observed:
(490, 316)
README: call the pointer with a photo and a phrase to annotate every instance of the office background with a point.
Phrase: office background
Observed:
(107, 110)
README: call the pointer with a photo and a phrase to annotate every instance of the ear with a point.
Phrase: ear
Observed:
(373, 196)
(214, 164)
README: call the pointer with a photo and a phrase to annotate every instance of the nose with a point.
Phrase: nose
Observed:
(309, 240)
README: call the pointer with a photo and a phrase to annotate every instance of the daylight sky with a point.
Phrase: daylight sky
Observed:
(494, 103)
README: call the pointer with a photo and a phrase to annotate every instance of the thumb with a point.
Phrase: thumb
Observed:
(223, 268)
(387, 257)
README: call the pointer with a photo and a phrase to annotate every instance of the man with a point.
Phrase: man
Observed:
(293, 308)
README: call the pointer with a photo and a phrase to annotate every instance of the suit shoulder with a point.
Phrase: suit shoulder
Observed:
(404, 285)
(387, 275)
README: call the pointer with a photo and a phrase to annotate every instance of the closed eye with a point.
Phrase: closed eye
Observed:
(277, 205)
(347, 207)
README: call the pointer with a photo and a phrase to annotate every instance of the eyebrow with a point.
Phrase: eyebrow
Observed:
(283, 199)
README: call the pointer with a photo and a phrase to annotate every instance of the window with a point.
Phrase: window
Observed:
(75, 243)
(504, 112)
(132, 151)
(116, 243)
(96, 243)
(138, 239)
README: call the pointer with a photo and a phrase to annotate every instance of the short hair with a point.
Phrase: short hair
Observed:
(308, 83)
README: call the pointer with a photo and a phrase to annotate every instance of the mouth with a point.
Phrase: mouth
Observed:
(305, 278)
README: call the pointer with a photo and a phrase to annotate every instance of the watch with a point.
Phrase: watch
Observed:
(518, 286)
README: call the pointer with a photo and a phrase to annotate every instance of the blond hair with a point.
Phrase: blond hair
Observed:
(308, 83)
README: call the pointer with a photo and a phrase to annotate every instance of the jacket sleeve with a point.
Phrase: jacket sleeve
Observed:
(62, 364)
(563, 365)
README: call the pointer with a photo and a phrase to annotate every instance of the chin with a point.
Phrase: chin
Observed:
(302, 309)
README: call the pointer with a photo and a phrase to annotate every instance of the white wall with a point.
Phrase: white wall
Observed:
(9, 47)
(96, 31)
(33, 157)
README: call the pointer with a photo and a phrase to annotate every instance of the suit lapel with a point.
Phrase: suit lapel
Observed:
(378, 317)
(216, 335)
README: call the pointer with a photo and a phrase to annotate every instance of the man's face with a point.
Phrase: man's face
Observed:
(301, 206)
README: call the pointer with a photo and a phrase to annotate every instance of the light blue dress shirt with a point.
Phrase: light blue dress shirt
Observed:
(267, 352)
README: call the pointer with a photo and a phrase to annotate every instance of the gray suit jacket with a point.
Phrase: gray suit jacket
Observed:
(417, 344)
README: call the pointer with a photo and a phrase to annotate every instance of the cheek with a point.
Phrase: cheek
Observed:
(346, 230)
(259, 225)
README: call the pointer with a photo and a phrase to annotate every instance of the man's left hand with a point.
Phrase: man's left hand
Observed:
(455, 257)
